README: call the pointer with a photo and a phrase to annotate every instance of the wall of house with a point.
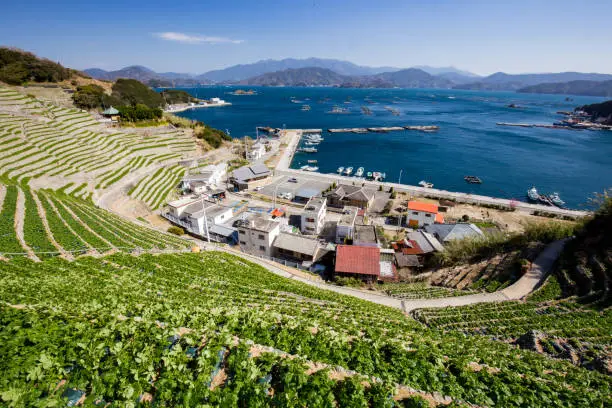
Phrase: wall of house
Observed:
(420, 218)
(344, 231)
(257, 242)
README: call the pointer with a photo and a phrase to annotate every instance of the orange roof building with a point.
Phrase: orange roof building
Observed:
(420, 214)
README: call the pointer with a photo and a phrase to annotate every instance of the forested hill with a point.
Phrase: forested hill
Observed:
(18, 67)
(298, 77)
(599, 111)
(585, 88)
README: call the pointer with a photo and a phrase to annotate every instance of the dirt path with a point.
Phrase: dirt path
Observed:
(43, 218)
(2, 194)
(19, 221)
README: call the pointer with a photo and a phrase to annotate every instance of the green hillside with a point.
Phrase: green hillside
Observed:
(194, 329)
(18, 67)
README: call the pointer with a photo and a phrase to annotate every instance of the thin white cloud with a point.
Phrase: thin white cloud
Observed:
(195, 39)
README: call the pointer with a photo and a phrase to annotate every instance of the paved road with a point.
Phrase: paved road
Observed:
(521, 288)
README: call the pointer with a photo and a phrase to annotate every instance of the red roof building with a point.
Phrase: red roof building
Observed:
(420, 214)
(358, 262)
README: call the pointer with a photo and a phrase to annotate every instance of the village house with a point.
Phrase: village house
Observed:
(248, 177)
(426, 243)
(256, 235)
(388, 272)
(199, 217)
(347, 195)
(209, 178)
(420, 214)
(313, 217)
(358, 262)
(257, 151)
(452, 232)
(365, 235)
(296, 248)
(345, 228)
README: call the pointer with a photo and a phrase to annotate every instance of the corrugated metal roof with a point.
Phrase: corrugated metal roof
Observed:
(450, 232)
(296, 243)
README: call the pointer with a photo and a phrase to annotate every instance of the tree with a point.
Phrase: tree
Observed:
(176, 230)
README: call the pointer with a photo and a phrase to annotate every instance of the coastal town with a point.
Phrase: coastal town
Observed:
(333, 225)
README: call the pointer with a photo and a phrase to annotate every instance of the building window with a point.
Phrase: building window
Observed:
(310, 229)
(261, 236)
(310, 220)
(428, 215)
(242, 232)
(415, 213)
(262, 248)
(242, 243)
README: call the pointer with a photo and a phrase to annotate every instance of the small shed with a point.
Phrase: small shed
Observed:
(112, 113)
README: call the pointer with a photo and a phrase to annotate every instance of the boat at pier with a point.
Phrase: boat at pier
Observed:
(311, 143)
(556, 200)
(309, 168)
(473, 179)
(359, 172)
(307, 150)
(312, 161)
(425, 184)
(348, 171)
(340, 170)
(378, 176)
(533, 194)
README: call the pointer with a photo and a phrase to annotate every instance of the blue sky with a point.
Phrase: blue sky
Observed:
(171, 35)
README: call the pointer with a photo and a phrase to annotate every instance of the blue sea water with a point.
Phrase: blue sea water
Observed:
(509, 160)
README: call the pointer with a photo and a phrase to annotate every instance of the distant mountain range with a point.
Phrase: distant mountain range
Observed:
(331, 72)
(585, 88)
(505, 82)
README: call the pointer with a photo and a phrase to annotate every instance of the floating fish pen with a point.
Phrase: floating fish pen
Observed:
(385, 129)
(365, 110)
(392, 110)
(423, 128)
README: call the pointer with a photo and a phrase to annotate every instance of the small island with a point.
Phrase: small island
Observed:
(239, 92)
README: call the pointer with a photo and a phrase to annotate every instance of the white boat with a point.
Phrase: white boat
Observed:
(305, 107)
(359, 172)
(340, 169)
(556, 200)
(378, 176)
(425, 184)
(314, 138)
(348, 171)
(311, 143)
(312, 161)
(533, 194)
(307, 150)
(310, 168)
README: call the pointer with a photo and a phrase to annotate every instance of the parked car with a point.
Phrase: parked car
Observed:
(258, 188)
(292, 180)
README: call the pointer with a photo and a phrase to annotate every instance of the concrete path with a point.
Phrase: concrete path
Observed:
(521, 288)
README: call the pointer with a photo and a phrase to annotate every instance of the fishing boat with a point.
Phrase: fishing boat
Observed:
(425, 184)
(378, 176)
(307, 150)
(338, 109)
(340, 170)
(305, 108)
(348, 171)
(314, 138)
(312, 161)
(359, 172)
(533, 194)
(311, 143)
(309, 168)
(473, 179)
(369, 175)
(556, 200)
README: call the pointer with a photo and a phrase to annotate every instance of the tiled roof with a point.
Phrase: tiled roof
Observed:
(358, 260)
(421, 206)
(404, 260)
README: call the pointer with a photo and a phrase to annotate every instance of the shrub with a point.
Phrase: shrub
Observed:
(346, 281)
(214, 137)
(176, 230)
(139, 112)
(465, 218)
(132, 92)
(18, 67)
(393, 195)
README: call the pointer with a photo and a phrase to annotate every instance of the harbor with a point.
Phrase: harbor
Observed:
(210, 103)
(425, 189)
(466, 142)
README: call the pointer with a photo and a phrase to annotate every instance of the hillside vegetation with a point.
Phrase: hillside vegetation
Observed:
(586, 88)
(599, 111)
(18, 67)
(569, 317)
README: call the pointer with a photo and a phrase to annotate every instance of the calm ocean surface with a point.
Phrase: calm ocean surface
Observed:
(509, 160)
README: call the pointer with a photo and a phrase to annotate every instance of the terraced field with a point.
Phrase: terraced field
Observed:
(67, 146)
(155, 188)
(421, 290)
(214, 329)
(52, 223)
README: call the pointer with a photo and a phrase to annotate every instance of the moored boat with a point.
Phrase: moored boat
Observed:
(425, 184)
(473, 179)
(348, 171)
(359, 172)
(307, 150)
(533, 194)
(556, 200)
(340, 169)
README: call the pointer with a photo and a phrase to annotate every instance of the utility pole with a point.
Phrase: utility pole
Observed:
(399, 218)
(205, 220)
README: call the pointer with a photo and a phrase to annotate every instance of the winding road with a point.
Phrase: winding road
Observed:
(518, 290)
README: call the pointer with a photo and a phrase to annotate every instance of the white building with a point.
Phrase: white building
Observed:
(209, 178)
(313, 217)
(256, 235)
(420, 214)
(195, 214)
(345, 229)
(257, 151)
